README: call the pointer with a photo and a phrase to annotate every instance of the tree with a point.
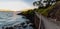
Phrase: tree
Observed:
(51, 2)
(40, 4)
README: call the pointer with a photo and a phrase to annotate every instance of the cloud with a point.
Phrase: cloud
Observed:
(14, 5)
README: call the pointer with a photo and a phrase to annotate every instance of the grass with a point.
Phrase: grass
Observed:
(45, 10)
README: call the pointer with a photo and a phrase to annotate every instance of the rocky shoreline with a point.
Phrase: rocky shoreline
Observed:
(30, 17)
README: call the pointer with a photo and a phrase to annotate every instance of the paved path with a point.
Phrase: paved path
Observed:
(48, 24)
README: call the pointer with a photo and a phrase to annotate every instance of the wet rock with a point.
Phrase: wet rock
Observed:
(25, 26)
(27, 22)
(22, 23)
(9, 28)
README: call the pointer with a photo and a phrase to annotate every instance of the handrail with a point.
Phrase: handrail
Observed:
(39, 21)
(46, 24)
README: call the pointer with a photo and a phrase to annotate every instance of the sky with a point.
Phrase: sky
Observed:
(16, 5)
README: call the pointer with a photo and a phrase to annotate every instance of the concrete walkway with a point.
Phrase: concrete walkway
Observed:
(47, 24)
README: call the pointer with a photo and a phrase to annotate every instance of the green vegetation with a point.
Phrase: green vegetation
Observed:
(52, 11)
(45, 10)
(29, 14)
(40, 4)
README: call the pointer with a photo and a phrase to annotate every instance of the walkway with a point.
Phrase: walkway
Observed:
(47, 24)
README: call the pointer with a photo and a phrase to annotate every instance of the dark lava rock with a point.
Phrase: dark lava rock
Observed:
(27, 22)
(22, 23)
(9, 28)
(25, 26)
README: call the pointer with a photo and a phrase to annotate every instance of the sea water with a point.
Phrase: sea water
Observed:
(7, 19)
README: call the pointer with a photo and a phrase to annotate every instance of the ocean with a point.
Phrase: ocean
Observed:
(10, 19)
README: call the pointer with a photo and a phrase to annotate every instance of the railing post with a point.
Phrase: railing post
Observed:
(40, 22)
